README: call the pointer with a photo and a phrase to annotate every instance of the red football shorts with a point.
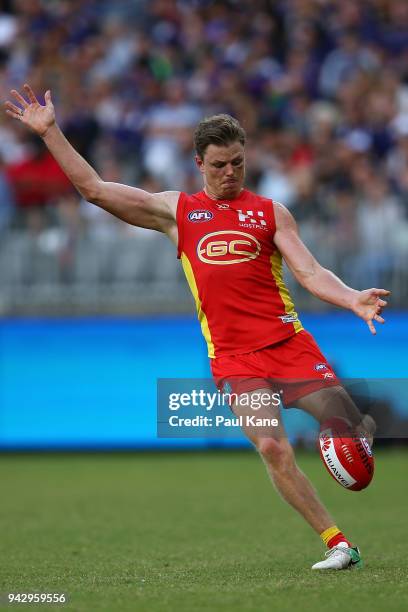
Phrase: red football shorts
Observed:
(294, 367)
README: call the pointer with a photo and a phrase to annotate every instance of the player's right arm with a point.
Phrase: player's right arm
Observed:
(135, 206)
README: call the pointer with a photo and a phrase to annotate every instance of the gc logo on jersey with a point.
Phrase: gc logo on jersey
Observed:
(228, 247)
(198, 216)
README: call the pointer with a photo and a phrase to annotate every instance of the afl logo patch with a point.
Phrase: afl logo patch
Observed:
(198, 216)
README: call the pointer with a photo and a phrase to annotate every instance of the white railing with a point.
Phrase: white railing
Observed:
(140, 273)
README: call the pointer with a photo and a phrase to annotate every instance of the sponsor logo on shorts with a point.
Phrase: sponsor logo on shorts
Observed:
(289, 318)
(328, 375)
(198, 216)
(228, 247)
(320, 366)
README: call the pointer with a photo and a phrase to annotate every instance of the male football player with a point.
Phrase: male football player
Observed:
(231, 243)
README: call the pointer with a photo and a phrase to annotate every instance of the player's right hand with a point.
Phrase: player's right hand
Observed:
(31, 113)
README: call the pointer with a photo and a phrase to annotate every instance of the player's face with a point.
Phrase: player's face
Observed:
(223, 170)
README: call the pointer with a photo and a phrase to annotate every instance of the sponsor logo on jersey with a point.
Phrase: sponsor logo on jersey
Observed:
(228, 247)
(222, 205)
(247, 218)
(198, 216)
(289, 318)
(320, 366)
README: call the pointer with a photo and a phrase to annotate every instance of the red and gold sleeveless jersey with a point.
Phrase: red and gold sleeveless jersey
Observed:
(234, 271)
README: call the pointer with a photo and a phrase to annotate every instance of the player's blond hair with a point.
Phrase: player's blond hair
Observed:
(220, 130)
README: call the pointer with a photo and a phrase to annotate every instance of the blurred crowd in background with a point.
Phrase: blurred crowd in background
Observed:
(321, 87)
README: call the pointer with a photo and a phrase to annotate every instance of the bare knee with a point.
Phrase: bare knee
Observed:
(277, 454)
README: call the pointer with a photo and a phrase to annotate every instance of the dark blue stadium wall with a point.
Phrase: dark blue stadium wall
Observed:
(91, 383)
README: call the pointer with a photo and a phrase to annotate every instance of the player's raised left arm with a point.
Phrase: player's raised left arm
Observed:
(322, 283)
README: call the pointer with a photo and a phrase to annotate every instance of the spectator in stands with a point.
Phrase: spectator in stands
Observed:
(319, 86)
(37, 180)
(7, 202)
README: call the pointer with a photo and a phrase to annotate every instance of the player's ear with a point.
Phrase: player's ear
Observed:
(200, 163)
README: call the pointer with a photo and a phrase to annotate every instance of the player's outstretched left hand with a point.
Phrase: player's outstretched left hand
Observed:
(369, 306)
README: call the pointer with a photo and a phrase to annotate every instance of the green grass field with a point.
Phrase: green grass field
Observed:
(195, 531)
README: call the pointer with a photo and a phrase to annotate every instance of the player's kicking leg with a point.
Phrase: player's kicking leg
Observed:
(334, 401)
(295, 488)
